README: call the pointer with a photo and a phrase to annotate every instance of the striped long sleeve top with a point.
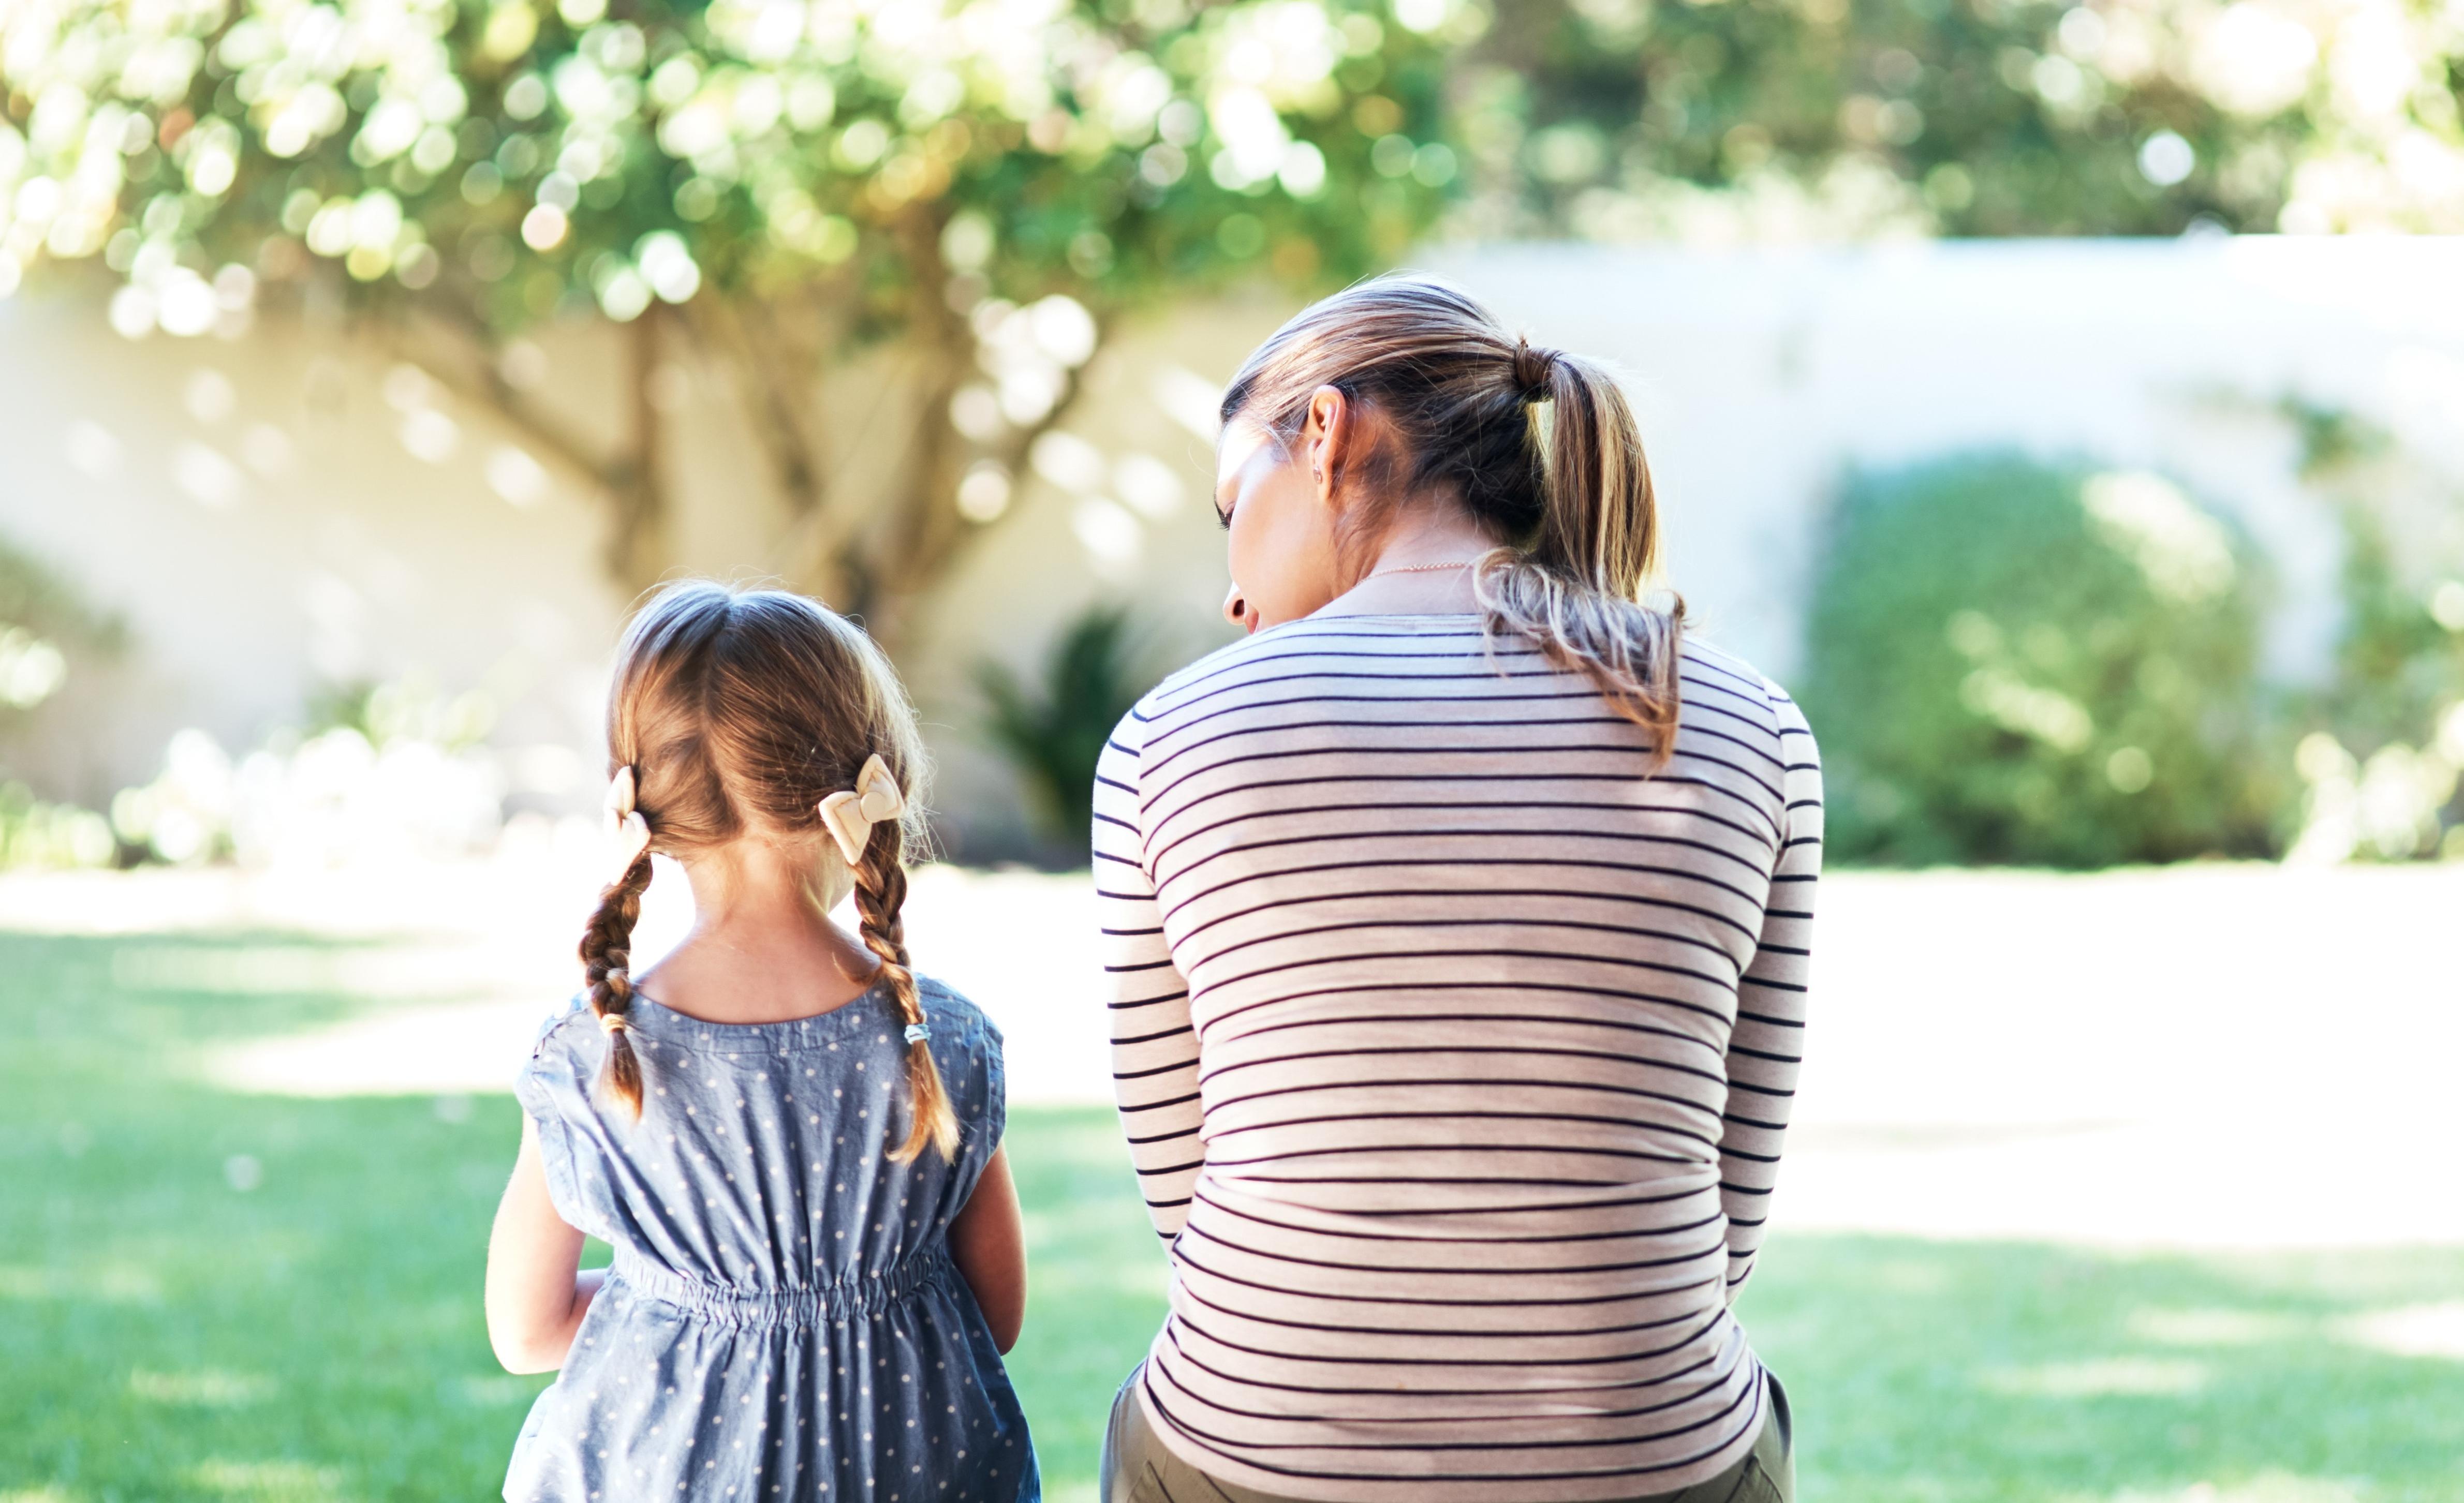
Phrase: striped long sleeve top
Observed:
(1454, 1047)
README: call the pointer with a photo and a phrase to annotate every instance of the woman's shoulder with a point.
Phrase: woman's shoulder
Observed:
(1203, 671)
(1305, 648)
(1720, 681)
(1129, 735)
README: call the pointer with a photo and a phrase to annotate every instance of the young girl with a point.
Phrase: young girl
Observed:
(791, 1140)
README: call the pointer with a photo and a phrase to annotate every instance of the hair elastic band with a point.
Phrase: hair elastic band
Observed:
(917, 1032)
(1532, 369)
(613, 1023)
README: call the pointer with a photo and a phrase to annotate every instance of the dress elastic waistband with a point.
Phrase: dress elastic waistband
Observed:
(726, 1304)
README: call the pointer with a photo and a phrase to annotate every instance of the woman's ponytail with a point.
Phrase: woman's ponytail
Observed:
(607, 964)
(880, 892)
(1599, 523)
(1574, 591)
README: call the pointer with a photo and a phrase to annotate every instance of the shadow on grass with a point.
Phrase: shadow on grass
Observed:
(206, 1295)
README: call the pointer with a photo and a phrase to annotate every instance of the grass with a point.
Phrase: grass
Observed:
(206, 1295)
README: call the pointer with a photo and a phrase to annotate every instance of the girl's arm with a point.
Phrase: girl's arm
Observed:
(989, 1243)
(535, 1293)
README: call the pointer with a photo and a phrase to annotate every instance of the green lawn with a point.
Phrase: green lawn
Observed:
(166, 1336)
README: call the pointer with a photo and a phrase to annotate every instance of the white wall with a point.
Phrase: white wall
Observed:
(1758, 376)
(258, 549)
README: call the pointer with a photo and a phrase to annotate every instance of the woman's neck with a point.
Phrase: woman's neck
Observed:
(1412, 574)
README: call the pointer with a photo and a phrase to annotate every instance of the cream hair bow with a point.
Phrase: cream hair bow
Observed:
(627, 830)
(849, 816)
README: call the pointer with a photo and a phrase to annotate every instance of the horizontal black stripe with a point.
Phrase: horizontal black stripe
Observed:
(1225, 1135)
(1572, 863)
(1442, 1417)
(1170, 1340)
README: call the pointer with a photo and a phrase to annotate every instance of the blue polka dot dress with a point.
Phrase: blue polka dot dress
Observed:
(783, 1322)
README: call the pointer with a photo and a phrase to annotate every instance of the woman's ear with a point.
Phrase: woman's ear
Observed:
(1326, 439)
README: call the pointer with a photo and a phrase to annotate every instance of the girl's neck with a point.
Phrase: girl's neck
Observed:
(763, 948)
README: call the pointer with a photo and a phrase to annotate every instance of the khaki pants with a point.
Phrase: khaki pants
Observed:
(1137, 1468)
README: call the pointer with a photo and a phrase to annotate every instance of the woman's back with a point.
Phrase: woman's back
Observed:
(1498, 1027)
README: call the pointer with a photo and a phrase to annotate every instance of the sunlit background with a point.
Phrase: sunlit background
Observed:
(2066, 400)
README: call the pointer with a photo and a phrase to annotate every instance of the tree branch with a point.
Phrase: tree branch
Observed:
(629, 483)
(780, 389)
(937, 546)
(476, 378)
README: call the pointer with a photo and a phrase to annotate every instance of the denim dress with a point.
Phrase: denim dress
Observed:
(782, 1320)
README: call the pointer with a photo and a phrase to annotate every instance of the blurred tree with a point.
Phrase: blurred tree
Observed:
(1754, 119)
(772, 182)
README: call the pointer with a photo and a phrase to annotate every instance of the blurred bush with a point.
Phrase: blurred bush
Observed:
(2012, 662)
(46, 630)
(339, 795)
(48, 633)
(1052, 732)
(2382, 757)
(34, 833)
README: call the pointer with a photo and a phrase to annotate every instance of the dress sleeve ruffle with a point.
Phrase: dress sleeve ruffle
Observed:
(552, 1086)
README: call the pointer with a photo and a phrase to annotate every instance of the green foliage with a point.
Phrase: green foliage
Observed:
(520, 157)
(2399, 667)
(778, 184)
(47, 630)
(1623, 117)
(2400, 654)
(48, 633)
(34, 596)
(1053, 732)
(2017, 663)
(2385, 734)
(408, 708)
(34, 833)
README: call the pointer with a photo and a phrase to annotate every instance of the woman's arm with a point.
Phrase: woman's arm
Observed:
(1155, 1048)
(1767, 1043)
(536, 1294)
(989, 1243)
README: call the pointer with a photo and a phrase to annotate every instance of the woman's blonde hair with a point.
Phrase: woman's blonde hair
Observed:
(738, 711)
(1457, 403)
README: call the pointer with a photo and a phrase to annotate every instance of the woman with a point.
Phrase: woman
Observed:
(1458, 921)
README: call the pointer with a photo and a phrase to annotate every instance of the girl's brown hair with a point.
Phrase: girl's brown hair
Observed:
(739, 711)
(1455, 404)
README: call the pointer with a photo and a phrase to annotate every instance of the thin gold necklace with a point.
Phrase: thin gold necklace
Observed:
(1434, 568)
